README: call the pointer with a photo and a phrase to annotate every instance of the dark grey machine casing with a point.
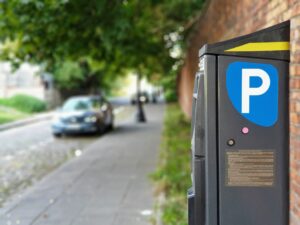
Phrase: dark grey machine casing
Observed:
(215, 121)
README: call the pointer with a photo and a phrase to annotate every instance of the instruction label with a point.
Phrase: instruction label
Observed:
(250, 168)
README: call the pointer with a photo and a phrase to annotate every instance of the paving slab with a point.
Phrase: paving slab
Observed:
(108, 184)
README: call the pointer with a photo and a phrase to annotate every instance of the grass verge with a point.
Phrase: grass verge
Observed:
(9, 115)
(24, 103)
(172, 177)
(18, 107)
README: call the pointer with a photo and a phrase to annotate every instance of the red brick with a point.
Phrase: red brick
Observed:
(295, 95)
(295, 46)
(295, 22)
(297, 104)
(295, 9)
(294, 117)
(295, 83)
(295, 69)
(292, 2)
(295, 57)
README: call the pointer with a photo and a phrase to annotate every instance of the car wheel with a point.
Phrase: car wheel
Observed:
(101, 129)
(111, 126)
(57, 135)
(111, 123)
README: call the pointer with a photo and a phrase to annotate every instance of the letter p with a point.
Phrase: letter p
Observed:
(247, 91)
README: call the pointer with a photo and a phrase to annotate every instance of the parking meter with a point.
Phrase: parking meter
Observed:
(240, 131)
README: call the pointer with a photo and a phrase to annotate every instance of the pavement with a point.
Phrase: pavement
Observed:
(106, 185)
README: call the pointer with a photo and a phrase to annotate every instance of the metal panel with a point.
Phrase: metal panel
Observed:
(253, 200)
(210, 138)
(198, 141)
(199, 182)
(203, 197)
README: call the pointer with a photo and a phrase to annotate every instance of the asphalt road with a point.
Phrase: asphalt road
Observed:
(28, 153)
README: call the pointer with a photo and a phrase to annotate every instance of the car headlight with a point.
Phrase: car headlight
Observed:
(90, 119)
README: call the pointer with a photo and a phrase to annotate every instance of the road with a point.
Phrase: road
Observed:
(30, 152)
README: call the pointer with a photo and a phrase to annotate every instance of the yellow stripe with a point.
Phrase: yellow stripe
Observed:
(261, 46)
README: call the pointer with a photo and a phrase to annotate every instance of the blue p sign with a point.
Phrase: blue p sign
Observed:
(253, 91)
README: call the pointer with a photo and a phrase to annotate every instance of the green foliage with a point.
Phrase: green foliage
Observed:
(173, 174)
(10, 116)
(175, 211)
(68, 74)
(118, 35)
(86, 75)
(24, 103)
(170, 95)
(169, 84)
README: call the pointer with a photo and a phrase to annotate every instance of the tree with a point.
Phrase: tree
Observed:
(112, 36)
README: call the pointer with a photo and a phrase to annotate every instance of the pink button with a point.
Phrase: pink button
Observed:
(245, 130)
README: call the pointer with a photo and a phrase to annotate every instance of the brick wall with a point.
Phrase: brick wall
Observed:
(225, 19)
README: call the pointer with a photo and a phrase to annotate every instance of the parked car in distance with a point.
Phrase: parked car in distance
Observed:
(143, 96)
(83, 114)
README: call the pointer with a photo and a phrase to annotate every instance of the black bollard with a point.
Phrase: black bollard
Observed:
(140, 114)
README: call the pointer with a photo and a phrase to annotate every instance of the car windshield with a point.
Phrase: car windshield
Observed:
(78, 105)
